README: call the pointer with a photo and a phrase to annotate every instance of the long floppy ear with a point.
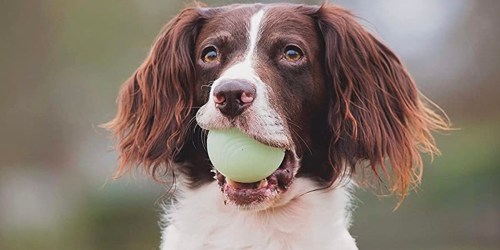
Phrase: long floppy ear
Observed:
(155, 103)
(377, 116)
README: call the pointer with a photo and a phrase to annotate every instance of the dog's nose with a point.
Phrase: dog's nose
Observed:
(232, 96)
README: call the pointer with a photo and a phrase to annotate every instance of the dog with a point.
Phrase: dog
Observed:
(307, 79)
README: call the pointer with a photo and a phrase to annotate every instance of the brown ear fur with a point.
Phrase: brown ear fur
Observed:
(377, 115)
(155, 104)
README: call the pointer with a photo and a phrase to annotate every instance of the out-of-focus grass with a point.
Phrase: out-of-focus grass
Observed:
(106, 219)
(456, 207)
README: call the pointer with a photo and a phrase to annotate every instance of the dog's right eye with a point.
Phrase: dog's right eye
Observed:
(210, 54)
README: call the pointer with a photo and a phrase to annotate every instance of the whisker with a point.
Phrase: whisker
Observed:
(203, 135)
(209, 85)
(192, 107)
(190, 122)
(293, 123)
(297, 134)
(302, 139)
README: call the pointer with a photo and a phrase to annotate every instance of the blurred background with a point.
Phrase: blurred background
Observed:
(61, 65)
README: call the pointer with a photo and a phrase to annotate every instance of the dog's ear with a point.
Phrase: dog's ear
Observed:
(155, 103)
(377, 116)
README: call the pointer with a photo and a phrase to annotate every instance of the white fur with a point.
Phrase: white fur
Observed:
(315, 220)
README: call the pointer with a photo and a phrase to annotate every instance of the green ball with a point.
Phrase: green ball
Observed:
(241, 158)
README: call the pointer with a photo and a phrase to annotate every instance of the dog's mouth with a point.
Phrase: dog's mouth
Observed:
(250, 195)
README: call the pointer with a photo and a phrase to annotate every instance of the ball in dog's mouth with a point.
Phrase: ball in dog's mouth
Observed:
(240, 157)
(248, 195)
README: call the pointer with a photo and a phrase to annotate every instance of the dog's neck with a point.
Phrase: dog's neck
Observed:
(306, 220)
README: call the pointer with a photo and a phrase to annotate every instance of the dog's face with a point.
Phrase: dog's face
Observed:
(308, 79)
(260, 55)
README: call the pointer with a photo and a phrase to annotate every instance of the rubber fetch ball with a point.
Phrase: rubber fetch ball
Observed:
(241, 158)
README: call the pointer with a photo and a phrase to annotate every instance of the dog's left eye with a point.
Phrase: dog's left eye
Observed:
(210, 54)
(293, 53)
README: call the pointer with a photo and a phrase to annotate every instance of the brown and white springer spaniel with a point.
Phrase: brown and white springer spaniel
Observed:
(309, 79)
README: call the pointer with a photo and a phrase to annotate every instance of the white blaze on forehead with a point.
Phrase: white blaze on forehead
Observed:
(254, 32)
(244, 69)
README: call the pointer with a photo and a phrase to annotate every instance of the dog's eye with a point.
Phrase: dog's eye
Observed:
(293, 53)
(210, 54)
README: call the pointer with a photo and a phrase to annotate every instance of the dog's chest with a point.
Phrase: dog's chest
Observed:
(200, 220)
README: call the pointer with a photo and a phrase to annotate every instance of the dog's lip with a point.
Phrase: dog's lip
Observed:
(247, 194)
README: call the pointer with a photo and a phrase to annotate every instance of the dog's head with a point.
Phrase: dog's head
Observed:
(309, 79)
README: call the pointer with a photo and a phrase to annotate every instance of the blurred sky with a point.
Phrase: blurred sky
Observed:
(61, 66)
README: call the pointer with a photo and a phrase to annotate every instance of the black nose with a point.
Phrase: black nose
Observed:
(232, 96)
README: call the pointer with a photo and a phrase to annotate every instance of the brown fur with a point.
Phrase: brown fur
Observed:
(377, 114)
(156, 104)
